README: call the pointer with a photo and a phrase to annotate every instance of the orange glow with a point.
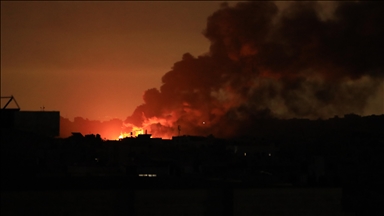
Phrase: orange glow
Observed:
(159, 127)
(135, 132)
(121, 136)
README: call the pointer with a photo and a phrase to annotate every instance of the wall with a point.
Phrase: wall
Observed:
(41, 122)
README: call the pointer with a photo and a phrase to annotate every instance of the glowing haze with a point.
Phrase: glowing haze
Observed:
(94, 59)
(267, 60)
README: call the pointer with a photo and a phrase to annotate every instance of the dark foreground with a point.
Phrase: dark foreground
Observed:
(155, 196)
(293, 167)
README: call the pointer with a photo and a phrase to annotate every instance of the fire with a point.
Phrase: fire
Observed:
(134, 133)
(159, 127)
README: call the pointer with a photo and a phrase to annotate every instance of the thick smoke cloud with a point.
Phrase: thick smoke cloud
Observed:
(270, 63)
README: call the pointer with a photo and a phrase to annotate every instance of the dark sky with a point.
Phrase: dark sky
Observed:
(94, 59)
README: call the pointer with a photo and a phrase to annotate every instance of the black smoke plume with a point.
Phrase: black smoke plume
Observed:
(266, 62)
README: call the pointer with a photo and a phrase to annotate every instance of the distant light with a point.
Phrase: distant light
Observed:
(203, 122)
(96, 159)
(147, 175)
(245, 154)
(269, 154)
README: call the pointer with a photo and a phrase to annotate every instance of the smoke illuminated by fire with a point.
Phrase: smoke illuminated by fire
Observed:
(264, 62)
(268, 62)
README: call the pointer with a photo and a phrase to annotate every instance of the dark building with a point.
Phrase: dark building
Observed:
(8, 118)
(39, 122)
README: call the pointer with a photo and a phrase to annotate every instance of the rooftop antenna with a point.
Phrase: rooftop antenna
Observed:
(179, 129)
(9, 101)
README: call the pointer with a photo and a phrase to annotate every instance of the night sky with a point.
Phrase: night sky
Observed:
(210, 67)
(94, 59)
